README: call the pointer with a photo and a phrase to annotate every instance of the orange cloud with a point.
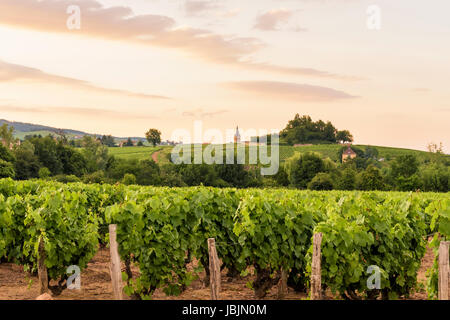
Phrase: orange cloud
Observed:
(120, 23)
(290, 91)
(194, 7)
(271, 20)
(200, 113)
(75, 111)
(14, 72)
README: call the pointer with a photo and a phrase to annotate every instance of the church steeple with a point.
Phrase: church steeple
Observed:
(237, 136)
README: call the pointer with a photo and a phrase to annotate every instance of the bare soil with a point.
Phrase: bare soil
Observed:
(155, 156)
(96, 284)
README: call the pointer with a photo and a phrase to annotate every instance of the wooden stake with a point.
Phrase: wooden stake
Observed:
(116, 273)
(282, 284)
(42, 269)
(316, 280)
(444, 270)
(214, 269)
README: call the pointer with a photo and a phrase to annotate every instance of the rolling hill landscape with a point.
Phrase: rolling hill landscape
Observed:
(308, 157)
(22, 129)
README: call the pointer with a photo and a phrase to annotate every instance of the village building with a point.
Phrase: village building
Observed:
(11, 144)
(348, 154)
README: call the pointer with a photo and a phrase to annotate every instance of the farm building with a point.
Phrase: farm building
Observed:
(348, 154)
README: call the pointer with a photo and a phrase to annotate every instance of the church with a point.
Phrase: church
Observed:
(237, 136)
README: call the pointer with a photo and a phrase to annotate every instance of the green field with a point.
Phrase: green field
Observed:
(326, 150)
(137, 153)
(331, 151)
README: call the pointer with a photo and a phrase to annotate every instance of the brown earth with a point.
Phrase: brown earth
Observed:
(96, 284)
(155, 156)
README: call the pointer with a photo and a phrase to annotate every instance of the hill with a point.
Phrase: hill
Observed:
(326, 150)
(22, 129)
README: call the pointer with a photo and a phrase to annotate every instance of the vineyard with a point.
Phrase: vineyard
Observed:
(162, 230)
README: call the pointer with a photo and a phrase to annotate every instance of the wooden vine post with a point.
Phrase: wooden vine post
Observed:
(214, 270)
(116, 273)
(316, 280)
(444, 271)
(42, 269)
(282, 284)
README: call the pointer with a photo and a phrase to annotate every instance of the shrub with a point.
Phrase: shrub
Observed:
(96, 177)
(44, 173)
(129, 179)
(6, 169)
(370, 179)
(66, 178)
(303, 168)
(322, 181)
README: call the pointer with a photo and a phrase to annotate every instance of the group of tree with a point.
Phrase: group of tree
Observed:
(404, 173)
(303, 130)
(55, 158)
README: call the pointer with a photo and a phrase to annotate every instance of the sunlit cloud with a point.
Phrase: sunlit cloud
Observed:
(10, 72)
(421, 90)
(275, 20)
(75, 111)
(195, 7)
(200, 113)
(289, 91)
(120, 23)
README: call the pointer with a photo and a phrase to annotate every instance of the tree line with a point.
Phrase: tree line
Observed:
(54, 158)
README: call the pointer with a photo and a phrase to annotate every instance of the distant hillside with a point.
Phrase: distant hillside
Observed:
(22, 129)
(326, 150)
(30, 127)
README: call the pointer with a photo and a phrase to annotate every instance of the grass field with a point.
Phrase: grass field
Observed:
(326, 150)
(138, 153)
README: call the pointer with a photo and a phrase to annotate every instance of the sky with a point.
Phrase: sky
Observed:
(139, 64)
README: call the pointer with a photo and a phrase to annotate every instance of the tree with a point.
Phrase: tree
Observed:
(46, 150)
(370, 179)
(62, 135)
(95, 153)
(433, 148)
(27, 163)
(322, 181)
(5, 154)
(281, 177)
(129, 143)
(344, 136)
(148, 173)
(44, 173)
(7, 134)
(303, 168)
(108, 141)
(405, 166)
(435, 177)
(140, 143)
(6, 169)
(129, 179)
(304, 130)
(347, 180)
(153, 136)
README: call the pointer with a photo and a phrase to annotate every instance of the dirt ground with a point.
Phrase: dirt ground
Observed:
(96, 284)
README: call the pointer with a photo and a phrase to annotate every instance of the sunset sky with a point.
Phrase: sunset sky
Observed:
(140, 64)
